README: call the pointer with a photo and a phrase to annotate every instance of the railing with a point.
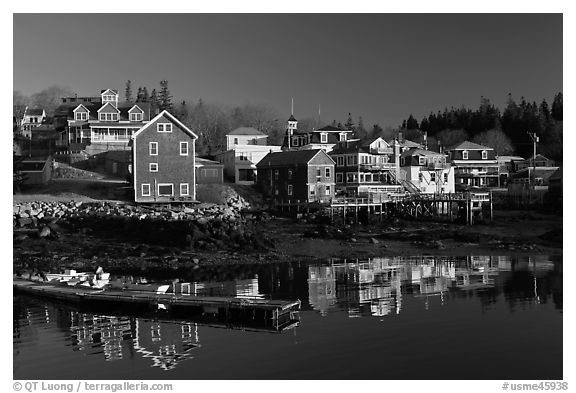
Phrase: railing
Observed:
(110, 138)
(438, 165)
(378, 166)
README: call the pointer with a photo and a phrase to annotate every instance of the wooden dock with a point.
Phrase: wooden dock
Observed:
(278, 312)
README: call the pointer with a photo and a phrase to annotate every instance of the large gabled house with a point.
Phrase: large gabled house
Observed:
(428, 171)
(300, 176)
(245, 147)
(325, 138)
(99, 124)
(474, 165)
(366, 166)
(33, 117)
(164, 161)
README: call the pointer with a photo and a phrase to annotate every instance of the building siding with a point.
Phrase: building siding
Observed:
(172, 167)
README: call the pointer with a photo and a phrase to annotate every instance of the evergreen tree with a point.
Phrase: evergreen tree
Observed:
(164, 97)
(153, 100)
(145, 96)
(349, 123)
(360, 131)
(557, 107)
(411, 123)
(376, 131)
(128, 93)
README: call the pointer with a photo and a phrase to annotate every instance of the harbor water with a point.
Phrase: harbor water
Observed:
(470, 317)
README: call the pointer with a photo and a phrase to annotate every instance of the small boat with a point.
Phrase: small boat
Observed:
(69, 275)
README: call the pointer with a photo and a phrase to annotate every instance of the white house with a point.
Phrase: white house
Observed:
(428, 171)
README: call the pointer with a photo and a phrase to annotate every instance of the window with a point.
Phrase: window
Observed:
(323, 138)
(340, 161)
(465, 155)
(312, 190)
(276, 174)
(145, 189)
(402, 161)
(135, 116)
(327, 172)
(445, 178)
(108, 116)
(184, 189)
(289, 174)
(153, 148)
(164, 127)
(420, 177)
(235, 141)
(153, 166)
(183, 148)
(290, 189)
(484, 155)
(422, 160)
(81, 116)
(328, 190)
(432, 176)
(342, 136)
(295, 142)
(339, 178)
(165, 189)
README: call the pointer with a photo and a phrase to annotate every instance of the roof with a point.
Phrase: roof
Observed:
(420, 152)
(467, 145)
(539, 157)
(35, 112)
(509, 158)
(409, 144)
(556, 175)
(331, 128)
(205, 162)
(288, 157)
(292, 118)
(170, 117)
(246, 131)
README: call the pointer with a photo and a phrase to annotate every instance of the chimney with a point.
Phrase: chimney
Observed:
(400, 136)
(397, 159)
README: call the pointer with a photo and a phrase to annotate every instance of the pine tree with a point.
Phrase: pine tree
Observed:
(349, 123)
(164, 97)
(145, 96)
(153, 100)
(360, 131)
(557, 107)
(139, 94)
(128, 93)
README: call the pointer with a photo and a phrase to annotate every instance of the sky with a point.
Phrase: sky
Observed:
(382, 67)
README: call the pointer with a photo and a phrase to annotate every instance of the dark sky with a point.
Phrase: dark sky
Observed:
(382, 67)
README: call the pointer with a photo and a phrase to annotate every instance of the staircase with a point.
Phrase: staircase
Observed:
(407, 184)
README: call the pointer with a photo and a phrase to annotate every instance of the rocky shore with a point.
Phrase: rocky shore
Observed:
(157, 241)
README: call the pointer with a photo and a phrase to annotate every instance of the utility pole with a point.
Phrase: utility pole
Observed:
(535, 139)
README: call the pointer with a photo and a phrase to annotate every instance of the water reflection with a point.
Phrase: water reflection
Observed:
(340, 299)
(377, 286)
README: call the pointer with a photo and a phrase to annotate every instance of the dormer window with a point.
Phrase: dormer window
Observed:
(135, 116)
(81, 116)
(484, 155)
(465, 155)
(422, 160)
(164, 127)
(323, 138)
(342, 136)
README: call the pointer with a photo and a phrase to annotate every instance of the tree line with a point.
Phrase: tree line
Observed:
(507, 131)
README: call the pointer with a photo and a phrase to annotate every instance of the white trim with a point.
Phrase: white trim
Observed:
(150, 167)
(187, 150)
(171, 118)
(105, 92)
(150, 144)
(142, 189)
(464, 152)
(136, 106)
(87, 114)
(106, 104)
(187, 193)
(484, 154)
(136, 115)
(323, 137)
(75, 109)
(290, 190)
(165, 184)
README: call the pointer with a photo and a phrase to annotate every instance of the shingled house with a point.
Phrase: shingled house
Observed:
(300, 176)
(164, 161)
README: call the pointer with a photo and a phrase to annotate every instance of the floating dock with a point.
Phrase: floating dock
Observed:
(277, 313)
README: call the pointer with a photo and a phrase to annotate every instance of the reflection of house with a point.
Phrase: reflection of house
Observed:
(474, 165)
(427, 170)
(246, 146)
(365, 167)
(165, 344)
(164, 161)
(321, 288)
(297, 176)
(99, 333)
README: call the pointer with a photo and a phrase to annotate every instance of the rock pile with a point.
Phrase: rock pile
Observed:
(202, 227)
